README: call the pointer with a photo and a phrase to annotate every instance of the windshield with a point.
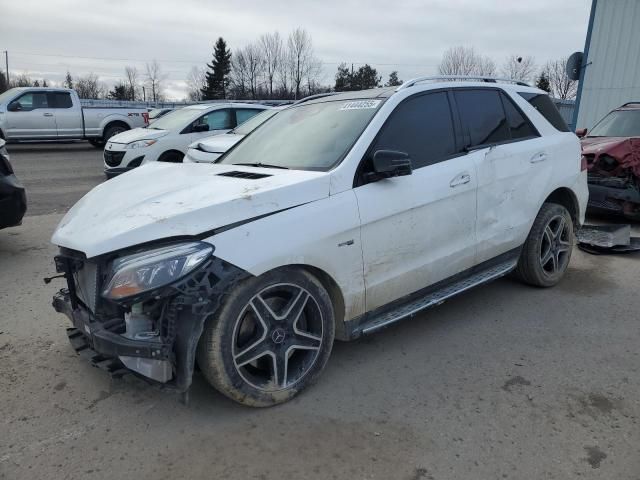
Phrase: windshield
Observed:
(254, 122)
(177, 119)
(313, 136)
(619, 123)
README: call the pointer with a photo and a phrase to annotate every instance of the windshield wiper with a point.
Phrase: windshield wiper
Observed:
(261, 165)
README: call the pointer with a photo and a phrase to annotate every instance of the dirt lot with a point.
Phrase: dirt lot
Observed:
(505, 381)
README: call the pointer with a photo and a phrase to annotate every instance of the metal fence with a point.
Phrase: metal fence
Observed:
(128, 103)
(566, 108)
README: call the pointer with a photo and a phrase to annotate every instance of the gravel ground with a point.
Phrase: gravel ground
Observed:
(505, 381)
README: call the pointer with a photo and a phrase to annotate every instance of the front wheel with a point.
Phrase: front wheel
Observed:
(270, 340)
(547, 251)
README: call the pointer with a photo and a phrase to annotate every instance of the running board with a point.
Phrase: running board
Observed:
(438, 296)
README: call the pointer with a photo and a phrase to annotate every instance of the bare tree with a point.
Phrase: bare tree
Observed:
(155, 78)
(271, 45)
(301, 58)
(561, 86)
(466, 61)
(195, 82)
(132, 81)
(21, 80)
(255, 65)
(90, 86)
(284, 73)
(518, 68)
(239, 74)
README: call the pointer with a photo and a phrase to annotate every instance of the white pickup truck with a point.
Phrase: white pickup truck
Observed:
(33, 113)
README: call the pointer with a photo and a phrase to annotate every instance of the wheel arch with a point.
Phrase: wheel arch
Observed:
(113, 123)
(564, 196)
(170, 151)
(332, 288)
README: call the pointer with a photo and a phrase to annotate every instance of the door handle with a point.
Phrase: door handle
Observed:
(538, 157)
(48, 114)
(460, 180)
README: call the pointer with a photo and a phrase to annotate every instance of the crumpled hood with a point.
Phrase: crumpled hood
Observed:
(218, 143)
(162, 200)
(625, 150)
(137, 134)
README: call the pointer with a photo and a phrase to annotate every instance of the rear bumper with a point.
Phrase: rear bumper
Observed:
(13, 201)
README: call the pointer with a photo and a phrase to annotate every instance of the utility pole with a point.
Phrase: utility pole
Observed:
(6, 64)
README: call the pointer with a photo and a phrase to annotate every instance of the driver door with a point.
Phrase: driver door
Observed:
(421, 228)
(33, 118)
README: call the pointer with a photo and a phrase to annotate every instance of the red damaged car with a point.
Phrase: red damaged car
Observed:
(611, 150)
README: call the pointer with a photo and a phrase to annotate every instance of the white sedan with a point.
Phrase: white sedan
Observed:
(209, 149)
(167, 139)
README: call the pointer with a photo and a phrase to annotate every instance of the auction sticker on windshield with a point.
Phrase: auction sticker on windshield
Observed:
(361, 105)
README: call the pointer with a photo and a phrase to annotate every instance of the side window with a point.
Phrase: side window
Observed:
(483, 116)
(244, 114)
(218, 119)
(545, 106)
(31, 101)
(519, 126)
(421, 126)
(60, 100)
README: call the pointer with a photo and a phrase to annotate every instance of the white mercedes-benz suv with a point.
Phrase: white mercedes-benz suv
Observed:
(334, 219)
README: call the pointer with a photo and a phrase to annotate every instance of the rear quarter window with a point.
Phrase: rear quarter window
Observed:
(547, 109)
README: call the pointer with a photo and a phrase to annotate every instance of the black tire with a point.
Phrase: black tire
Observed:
(112, 130)
(229, 352)
(98, 143)
(547, 251)
(171, 157)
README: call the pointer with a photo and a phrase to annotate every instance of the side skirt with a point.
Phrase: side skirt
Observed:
(433, 295)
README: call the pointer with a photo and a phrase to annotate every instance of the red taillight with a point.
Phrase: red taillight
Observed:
(583, 163)
(145, 116)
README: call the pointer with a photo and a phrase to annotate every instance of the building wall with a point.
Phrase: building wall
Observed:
(613, 51)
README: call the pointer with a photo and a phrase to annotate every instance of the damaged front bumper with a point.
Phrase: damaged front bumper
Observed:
(613, 195)
(166, 358)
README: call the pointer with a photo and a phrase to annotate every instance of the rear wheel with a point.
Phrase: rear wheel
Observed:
(111, 131)
(547, 251)
(271, 339)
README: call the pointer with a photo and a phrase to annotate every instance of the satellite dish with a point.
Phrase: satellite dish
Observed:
(574, 65)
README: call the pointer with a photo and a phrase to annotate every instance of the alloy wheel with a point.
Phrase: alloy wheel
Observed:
(555, 246)
(277, 337)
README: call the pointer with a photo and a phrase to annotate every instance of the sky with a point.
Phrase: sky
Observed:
(47, 38)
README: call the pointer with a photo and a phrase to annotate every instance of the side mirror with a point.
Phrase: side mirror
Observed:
(390, 163)
(201, 127)
(14, 106)
(581, 132)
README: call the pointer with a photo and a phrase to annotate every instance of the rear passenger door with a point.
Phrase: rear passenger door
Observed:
(68, 119)
(417, 229)
(509, 143)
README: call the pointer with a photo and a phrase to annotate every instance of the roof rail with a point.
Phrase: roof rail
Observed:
(413, 81)
(313, 97)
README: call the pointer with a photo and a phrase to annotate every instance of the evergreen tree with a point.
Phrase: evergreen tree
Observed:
(543, 82)
(3, 83)
(343, 79)
(68, 81)
(217, 75)
(36, 83)
(119, 92)
(44, 83)
(365, 77)
(393, 81)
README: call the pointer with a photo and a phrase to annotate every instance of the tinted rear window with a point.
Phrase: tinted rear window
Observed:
(483, 116)
(545, 106)
(519, 125)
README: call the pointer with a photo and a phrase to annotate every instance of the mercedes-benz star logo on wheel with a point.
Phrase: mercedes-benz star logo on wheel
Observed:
(278, 335)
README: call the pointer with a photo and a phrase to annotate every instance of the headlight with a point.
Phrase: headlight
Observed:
(145, 271)
(141, 144)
